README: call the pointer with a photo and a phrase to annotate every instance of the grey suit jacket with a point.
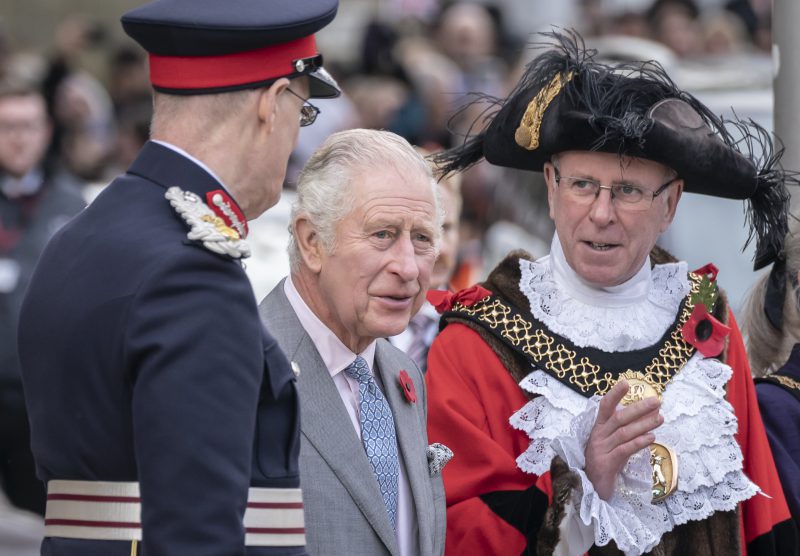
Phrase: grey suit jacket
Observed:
(344, 510)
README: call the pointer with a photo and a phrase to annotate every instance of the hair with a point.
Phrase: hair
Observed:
(203, 111)
(14, 88)
(767, 347)
(324, 186)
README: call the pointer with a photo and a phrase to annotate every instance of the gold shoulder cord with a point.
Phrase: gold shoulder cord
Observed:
(787, 381)
(134, 548)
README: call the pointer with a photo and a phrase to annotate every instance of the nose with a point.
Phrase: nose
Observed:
(404, 259)
(603, 212)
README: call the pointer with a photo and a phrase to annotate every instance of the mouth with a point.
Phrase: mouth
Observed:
(598, 246)
(396, 298)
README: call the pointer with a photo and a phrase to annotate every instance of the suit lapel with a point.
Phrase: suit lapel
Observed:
(324, 419)
(410, 439)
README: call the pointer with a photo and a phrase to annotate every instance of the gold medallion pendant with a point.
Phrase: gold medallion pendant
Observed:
(662, 458)
(640, 387)
(665, 470)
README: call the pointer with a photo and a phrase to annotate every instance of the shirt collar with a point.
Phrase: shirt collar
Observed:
(200, 163)
(334, 353)
(633, 291)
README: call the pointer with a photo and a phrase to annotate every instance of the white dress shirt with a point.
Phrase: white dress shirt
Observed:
(337, 357)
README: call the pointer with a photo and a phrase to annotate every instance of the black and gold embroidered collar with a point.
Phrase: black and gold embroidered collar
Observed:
(587, 371)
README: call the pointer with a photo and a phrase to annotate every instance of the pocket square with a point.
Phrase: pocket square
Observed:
(438, 456)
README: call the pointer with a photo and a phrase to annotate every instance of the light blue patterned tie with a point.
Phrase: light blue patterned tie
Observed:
(377, 434)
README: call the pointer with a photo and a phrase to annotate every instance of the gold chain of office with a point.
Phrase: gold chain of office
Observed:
(564, 363)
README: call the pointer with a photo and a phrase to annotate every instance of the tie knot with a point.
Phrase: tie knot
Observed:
(359, 370)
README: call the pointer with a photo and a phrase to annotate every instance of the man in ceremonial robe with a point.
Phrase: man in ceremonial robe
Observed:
(599, 399)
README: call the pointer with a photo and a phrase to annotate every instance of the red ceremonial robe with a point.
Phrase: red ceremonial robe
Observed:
(494, 508)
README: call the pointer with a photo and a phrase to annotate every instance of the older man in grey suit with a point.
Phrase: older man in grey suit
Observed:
(364, 228)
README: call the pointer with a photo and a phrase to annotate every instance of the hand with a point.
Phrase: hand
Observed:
(617, 435)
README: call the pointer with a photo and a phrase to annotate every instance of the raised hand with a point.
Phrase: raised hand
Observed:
(617, 435)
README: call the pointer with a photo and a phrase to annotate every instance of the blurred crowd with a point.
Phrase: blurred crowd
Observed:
(417, 63)
(416, 66)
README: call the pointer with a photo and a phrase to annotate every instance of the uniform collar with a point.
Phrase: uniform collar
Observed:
(168, 166)
(197, 161)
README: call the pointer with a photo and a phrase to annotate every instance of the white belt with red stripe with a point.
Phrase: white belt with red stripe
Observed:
(112, 511)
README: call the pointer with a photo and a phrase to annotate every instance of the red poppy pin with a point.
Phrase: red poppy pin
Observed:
(705, 332)
(702, 330)
(408, 387)
(443, 300)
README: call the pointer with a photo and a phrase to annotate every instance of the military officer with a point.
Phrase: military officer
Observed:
(146, 370)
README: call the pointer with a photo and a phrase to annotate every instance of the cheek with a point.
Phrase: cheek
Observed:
(425, 265)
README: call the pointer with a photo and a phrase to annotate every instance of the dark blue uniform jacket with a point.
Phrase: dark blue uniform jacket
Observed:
(144, 359)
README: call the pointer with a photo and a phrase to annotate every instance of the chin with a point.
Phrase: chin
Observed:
(391, 326)
(599, 278)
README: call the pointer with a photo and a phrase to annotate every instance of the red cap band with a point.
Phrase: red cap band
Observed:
(229, 70)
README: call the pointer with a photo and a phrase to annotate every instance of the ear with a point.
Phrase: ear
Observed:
(308, 241)
(268, 102)
(550, 180)
(673, 196)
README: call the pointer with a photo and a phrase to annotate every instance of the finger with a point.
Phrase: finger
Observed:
(635, 411)
(643, 425)
(622, 453)
(609, 402)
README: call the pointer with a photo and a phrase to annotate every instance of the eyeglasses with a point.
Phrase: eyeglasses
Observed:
(631, 197)
(308, 112)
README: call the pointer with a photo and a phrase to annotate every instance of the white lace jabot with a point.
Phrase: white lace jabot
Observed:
(699, 424)
(630, 316)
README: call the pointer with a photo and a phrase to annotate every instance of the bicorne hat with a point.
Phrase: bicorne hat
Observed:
(566, 101)
(211, 46)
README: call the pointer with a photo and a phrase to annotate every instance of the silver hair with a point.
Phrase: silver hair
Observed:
(324, 186)
(768, 348)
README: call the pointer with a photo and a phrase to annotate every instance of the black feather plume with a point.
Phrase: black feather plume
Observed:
(767, 209)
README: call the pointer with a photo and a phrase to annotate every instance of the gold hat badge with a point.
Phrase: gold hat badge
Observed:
(527, 134)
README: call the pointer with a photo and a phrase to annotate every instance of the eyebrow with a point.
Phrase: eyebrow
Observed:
(585, 176)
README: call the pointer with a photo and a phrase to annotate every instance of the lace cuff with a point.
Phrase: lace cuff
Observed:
(626, 518)
(699, 424)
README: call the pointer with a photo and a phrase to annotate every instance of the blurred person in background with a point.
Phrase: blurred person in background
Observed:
(771, 323)
(676, 24)
(34, 203)
(468, 34)
(128, 80)
(416, 340)
(73, 38)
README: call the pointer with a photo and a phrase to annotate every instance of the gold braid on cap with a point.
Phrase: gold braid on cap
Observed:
(527, 134)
